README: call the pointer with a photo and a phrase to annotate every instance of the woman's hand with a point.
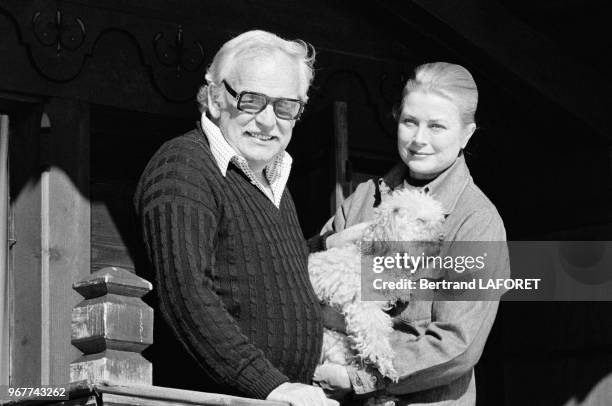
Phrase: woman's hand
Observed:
(333, 379)
(347, 236)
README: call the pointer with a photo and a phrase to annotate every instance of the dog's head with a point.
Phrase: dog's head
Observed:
(407, 215)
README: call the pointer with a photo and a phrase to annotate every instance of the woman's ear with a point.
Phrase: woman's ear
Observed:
(214, 104)
(468, 132)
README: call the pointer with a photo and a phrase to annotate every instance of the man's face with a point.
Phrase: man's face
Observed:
(260, 137)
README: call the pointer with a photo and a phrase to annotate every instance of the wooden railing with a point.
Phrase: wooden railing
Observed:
(85, 393)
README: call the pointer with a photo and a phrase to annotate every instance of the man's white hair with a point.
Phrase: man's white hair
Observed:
(254, 44)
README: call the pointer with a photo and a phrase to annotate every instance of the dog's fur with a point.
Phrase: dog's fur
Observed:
(404, 215)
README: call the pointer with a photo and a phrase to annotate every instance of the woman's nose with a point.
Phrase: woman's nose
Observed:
(420, 135)
(266, 118)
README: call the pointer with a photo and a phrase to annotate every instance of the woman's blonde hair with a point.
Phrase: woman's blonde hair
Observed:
(450, 81)
(253, 44)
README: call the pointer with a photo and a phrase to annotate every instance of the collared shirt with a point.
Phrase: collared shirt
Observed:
(276, 172)
(446, 188)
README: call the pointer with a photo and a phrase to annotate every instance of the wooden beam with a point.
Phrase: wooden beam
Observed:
(514, 46)
(4, 243)
(25, 200)
(82, 393)
(155, 395)
(65, 232)
(340, 154)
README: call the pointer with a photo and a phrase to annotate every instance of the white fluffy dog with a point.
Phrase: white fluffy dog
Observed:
(404, 215)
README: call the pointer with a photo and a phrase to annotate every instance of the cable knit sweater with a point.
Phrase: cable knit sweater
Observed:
(231, 270)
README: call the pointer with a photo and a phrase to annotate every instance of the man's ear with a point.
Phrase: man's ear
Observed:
(214, 104)
(469, 131)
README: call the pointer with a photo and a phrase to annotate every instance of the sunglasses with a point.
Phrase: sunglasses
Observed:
(253, 103)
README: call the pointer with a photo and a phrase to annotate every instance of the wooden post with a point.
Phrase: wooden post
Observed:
(4, 279)
(340, 154)
(65, 229)
(112, 326)
(25, 254)
(49, 198)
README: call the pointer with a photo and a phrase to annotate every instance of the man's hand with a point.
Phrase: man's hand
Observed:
(347, 236)
(298, 394)
(333, 319)
(333, 379)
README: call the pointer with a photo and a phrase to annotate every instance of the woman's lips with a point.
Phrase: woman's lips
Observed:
(418, 153)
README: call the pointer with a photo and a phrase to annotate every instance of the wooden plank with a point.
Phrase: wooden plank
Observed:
(25, 190)
(154, 395)
(115, 236)
(4, 271)
(112, 399)
(108, 246)
(340, 153)
(14, 102)
(45, 247)
(68, 226)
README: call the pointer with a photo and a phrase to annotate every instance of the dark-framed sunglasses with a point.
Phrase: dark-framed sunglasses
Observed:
(253, 103)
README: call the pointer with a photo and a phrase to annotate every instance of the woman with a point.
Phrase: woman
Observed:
(437, 343)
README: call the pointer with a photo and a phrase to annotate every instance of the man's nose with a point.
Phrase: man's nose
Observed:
(266, 118)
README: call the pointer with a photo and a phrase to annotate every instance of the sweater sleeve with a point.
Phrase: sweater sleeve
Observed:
(179, 216)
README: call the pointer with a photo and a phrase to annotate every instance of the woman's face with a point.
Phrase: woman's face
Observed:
(430, 134)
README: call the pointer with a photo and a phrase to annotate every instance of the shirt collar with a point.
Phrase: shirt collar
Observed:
(446, 188)
(223, 152)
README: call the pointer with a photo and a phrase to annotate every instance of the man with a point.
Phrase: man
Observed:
(221, 229)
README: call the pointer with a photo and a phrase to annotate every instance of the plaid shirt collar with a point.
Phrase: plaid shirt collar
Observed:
(276, 172)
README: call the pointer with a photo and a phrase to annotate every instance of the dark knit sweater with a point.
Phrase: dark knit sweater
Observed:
(231, 270)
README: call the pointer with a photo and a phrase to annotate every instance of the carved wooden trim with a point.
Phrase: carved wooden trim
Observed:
(61, 37)
(177, 55)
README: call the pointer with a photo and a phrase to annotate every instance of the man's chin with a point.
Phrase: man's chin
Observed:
(260, 160)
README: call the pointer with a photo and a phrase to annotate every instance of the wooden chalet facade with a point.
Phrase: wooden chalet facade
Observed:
(90, 89)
